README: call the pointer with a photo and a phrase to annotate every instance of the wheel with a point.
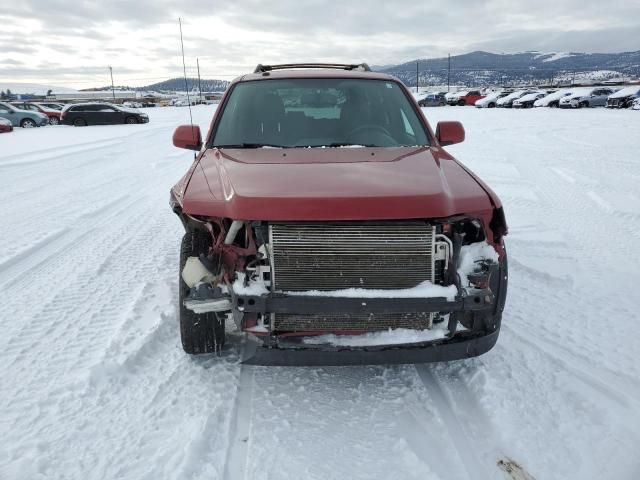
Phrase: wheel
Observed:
(79, 122)
(583, 105)
(461, 103)
(130, 120)
(54, 121)
(554, 104)
(442, 104)
(491, 105)
(200, 333)
(28, 123)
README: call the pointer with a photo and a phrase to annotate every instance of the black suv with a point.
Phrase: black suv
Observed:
(83, 114)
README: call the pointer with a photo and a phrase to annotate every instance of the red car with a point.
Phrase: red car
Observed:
(54, 115)
(5, 125)
(469, 98)
(324, 217)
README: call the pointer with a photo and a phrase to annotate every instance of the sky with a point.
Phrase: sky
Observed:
(71, 43)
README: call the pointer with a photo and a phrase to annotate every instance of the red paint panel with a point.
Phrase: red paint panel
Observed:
(332, 184)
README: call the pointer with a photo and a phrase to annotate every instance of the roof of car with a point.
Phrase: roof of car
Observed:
(314, 73)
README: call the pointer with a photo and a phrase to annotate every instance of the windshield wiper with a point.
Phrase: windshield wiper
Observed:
(250, 145)
(339, 144)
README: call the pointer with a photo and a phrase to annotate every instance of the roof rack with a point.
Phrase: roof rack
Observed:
(363, 67)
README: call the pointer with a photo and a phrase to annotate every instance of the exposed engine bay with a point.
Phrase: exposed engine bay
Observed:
(292, 279)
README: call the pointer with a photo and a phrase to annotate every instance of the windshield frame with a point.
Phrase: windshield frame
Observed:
(215, 122)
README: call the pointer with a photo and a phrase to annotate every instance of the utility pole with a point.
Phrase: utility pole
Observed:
(417, 76)
(113, 89)
(449, 73)
(199, 85)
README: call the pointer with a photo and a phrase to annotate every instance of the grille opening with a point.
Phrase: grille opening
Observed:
(319, 322)
(334, 256)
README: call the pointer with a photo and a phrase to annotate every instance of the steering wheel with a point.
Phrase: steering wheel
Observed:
(361, 128)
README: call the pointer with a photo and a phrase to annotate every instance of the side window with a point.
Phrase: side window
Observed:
(103, 108)
(4, 109)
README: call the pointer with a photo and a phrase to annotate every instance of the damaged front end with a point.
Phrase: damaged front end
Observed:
(362, 292)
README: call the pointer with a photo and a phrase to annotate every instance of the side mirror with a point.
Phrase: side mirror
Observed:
(449, 133)
(188, 136)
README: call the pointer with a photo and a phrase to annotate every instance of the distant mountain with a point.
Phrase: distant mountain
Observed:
(177, 84)
(484, 68)
(32, 88)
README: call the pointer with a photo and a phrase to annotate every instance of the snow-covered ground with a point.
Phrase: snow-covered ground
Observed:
(94, 384)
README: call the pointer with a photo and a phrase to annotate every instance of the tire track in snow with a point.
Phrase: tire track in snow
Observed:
(606, 388)
(240, 428)
(461, 438)
(37, 254)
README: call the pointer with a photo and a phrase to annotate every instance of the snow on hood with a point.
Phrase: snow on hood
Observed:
(626, 92)
(544, 101)
(529, 96)
(490, 97)
(129, 110)
(511, 96)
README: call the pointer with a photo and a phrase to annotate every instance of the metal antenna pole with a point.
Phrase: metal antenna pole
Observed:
(199, 84)
(184, 70)
(113, 89)
(449, 73)
(417, 77)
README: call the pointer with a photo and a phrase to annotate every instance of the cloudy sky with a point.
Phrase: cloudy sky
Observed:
(71, 42)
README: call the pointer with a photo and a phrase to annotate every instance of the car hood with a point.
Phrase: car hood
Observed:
(330, 184)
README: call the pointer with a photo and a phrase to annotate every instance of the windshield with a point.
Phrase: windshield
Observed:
(318, 113)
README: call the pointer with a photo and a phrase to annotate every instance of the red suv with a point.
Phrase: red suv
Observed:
(324, 217)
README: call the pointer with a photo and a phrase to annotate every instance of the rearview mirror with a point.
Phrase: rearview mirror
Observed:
(449, 133)
(188, 136)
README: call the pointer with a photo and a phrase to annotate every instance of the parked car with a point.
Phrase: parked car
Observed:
(552, 100)
(433, 100)
(5, 125)
(83, 114)
(132, 105)
(51, 105)
(450, 96)
(590, 97)
(636, 104)
(468, 98)
(526, 101)
(53, 115)
(22, 118)
(623, 98)
(507, 101)
(491, 99)
(298, 217)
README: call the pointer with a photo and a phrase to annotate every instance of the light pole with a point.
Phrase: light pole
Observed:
(113, 89)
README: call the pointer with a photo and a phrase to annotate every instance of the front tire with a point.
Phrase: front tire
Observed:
(461, 103)
(200, 333)
(54, 121)
(28, 123)
(583, 105)
(131, 120)
(79, 122)
(491, 105)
